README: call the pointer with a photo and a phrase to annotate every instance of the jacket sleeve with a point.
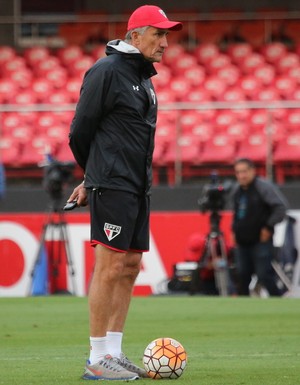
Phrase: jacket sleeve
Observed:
(272, 196)
(88, 114)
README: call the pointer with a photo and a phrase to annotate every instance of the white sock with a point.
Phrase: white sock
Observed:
(114, 343)
(98, 349)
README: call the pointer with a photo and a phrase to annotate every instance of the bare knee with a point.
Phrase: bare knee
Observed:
(132, 266)
(109, 264)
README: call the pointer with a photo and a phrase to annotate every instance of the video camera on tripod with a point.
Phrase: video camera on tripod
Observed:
(57, 174)
(189, 275)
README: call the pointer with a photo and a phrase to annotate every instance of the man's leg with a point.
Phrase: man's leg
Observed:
(123, 291)
(265, 273)
(109, 266)
(244, 268)
(108, 269)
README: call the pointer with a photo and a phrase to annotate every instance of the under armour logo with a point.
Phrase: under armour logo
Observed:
(136, 88)
(111, 231)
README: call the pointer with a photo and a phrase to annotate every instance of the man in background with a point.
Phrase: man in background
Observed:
(258, 207)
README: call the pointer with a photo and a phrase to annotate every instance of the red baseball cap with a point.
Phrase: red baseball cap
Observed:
(154, 17)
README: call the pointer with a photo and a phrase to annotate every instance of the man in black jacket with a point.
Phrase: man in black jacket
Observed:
(258, 207)
(112, 139)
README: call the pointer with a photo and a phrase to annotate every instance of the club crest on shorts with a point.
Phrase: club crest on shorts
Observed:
(111, 231)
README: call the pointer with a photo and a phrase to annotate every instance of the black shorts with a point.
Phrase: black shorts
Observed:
(119, 219)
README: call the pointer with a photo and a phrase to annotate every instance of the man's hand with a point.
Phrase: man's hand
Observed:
(265, 234)
(79, 194)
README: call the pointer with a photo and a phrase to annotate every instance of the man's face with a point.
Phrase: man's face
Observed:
(244, 174)
(152, 43)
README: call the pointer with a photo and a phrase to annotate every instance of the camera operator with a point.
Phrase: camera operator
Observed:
(258, 207)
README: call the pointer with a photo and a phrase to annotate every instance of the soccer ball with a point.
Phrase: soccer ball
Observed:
(164, 358)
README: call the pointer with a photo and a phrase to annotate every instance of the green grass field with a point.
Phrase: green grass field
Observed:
(230, 341)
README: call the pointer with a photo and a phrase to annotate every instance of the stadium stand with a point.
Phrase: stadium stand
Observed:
(228, 62)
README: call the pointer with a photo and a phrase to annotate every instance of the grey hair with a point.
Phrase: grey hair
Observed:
(140, 30)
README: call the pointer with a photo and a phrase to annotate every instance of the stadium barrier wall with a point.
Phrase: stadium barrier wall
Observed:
(20, 237)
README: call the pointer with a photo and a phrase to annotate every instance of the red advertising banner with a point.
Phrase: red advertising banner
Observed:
(27, 238)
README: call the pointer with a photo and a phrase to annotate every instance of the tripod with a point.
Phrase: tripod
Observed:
(56, 226)
(214, 253)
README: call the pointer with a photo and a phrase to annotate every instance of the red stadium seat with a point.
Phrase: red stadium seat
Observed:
(10, 150)
(239, 51)
(268, 94)
(287, 157)
(59, 97)
(215, 87)
(285, 86)
(22, 77)
(265, 74)
(165, 133)
(98, 51)
(57, 76)
(58, 132)
(80, 66)
(204, 131)
(165, 96)
(258, 120)
(219, 62)
(237, 132)
(186, 61)
(252, 62)
(64, 153)
(234, 94)
(189, 119)
(195, 75)
(294, 73)
(224, 119)
(250, 85)
(274, 51)
(33, 152)
(293, 120)
(230, 74)
(198, 95)
(163, 77)
(46, 120)
(43, 67)
(180, 87)
(9, 120)
(296, 94)
(206, 52)
(173, 52)
(73, 87)
(15, 64)
(218, 150)
(254, 147)
(8, 89)
(22, 133)
(185, 150)
(68, 55)
(25, 97)
(7, 53)
(286, 63)
(42, 89)
(34, 55)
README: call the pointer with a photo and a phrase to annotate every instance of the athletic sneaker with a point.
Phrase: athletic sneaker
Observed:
(108, 369)
(128, 365)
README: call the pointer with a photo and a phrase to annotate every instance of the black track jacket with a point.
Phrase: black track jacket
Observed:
(112, 132)
(263, 206)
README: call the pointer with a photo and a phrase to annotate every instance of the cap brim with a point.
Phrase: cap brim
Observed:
(171, 25)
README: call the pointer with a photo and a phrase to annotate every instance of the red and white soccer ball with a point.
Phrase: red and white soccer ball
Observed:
(164, 358)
